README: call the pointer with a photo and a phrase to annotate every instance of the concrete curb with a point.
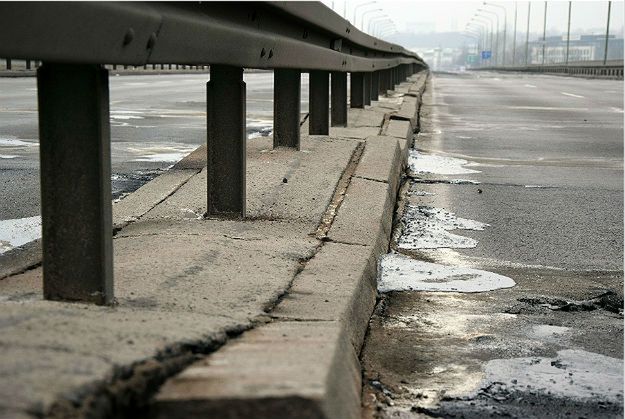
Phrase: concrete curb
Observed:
(304, 363)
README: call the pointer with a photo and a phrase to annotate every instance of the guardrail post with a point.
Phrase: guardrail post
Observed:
(367, 88)
(286, 108)
(338, 99)
(386, 81)
(75, 155)
(225, 110)
(318, 106)
(357, 90)
(8, 64)
(375, 85)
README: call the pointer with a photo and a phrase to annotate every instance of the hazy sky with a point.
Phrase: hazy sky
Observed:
(453, 15)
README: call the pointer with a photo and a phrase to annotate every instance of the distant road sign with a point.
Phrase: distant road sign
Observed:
(486, 55)
(471, 58)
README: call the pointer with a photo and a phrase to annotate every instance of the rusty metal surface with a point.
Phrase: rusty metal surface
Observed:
(74, 138)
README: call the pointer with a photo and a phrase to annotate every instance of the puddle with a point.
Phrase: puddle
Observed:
(15, 142)
(428, 228)
(124, 183)
(402, 273)
(166, 153)
(420, 163)
(574, 374)
(448, 181)
(544, 331)
(16, 232)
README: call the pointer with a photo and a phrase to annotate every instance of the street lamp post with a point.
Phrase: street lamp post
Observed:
(374, 21)
(607, 34)
(568, 36)
(544, 32)
(358, 7)
(498, 31)
(483, 28)
(383, 26)
(527, 34)
(490, 21)
(505, 25)
(362, 17)
(514, 38)
(375, 24)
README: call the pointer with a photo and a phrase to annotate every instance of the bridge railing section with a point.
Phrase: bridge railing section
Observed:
(77, 41)
(611, 69)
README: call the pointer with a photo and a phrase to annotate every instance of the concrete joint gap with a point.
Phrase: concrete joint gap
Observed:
(136, 218)
(348, 243)
(372, 180)
(299, 320)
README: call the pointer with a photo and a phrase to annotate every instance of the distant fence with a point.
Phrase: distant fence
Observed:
(612, 69)
(74, 40)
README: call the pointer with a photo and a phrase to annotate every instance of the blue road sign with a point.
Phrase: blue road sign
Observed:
(486, 55)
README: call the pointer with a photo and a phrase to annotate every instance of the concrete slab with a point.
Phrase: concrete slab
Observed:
(365, 216)
(338, 284)
(282, 369)
(311, 176)
(135, 205)
(18, 259)
(179, 285)
(403, 131)
(368, 117)
(408, 110)
(381, 161)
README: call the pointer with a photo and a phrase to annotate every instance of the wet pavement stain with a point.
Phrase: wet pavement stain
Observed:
(550, 346)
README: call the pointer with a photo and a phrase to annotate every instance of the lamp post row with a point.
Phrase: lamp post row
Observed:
(476, 20)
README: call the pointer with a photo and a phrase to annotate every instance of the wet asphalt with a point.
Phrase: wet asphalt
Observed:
(550, 154)
(155, 121)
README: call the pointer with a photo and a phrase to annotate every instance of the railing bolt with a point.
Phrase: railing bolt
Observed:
(130, 35)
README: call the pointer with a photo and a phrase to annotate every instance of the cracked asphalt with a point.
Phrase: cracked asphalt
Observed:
(551, 189)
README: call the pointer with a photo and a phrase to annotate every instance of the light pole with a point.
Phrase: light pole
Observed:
(486, 19)
(362, 17)
(388, 32)
(474, 36)
(544, 32)
(527, 35)
(514, 39)
(483, 29)
(375, 22)
(505, 25)
(358, 6)
(607, 34)
(498, 31)
(568, 36)
(383, 26)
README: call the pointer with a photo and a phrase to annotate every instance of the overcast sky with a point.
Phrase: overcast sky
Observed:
(443, 15)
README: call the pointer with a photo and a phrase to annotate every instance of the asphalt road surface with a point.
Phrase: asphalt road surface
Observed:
(155, 121)
(545, 157)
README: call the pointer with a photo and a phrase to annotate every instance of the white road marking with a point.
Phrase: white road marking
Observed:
(572, 95)
(617, 110)
(545, 108)
(530, 85)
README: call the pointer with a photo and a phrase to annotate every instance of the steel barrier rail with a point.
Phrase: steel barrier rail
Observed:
(75, 40)
(612, 69)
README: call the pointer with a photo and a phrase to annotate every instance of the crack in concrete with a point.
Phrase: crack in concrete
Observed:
(126, 223)
(372, 180)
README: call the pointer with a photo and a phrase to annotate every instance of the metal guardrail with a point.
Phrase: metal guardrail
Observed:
(74, 40)
(612, 69)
